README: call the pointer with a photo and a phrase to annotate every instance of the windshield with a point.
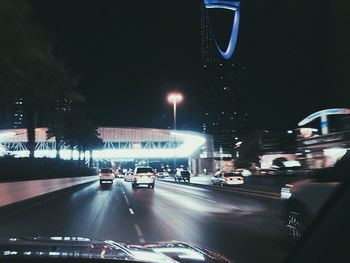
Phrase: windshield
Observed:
(106, 171)
(216, 123)
(144, 170)
(230, 174)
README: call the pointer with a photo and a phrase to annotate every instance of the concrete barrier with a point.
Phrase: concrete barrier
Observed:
(19, 191)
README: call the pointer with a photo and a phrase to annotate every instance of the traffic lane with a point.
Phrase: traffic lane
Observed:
(233, 224)
(265, 184)
(242, 202)
(93, 211)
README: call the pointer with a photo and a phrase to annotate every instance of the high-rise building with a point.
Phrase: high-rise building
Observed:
(209, 54)
(224, 115)
(18, 113)
(12, 113)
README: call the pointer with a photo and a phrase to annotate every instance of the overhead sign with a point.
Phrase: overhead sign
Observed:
(321, 113)
(234, 6)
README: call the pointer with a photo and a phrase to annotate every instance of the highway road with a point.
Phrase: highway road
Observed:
(243, 226)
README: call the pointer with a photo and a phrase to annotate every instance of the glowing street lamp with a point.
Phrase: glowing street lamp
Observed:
(175, 98)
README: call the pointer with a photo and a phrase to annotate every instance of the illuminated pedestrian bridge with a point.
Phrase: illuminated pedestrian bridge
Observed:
(118, 143)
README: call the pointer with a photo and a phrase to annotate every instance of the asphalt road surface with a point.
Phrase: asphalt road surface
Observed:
(243, 226)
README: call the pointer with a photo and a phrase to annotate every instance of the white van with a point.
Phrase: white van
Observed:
(144, 175)
(106, 174)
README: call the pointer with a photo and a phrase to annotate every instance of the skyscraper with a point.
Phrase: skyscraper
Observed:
(223, 115)
(209, 53)
(18, 113)
(12, 113)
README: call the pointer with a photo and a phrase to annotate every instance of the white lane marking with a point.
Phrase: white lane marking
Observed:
(124, 193)
(131, 211)
(139, 234)
(138, 230)
(126, 199)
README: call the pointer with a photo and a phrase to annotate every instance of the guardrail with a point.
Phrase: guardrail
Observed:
(14, 192)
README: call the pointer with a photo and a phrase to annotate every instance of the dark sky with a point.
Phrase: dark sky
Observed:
(129, 54)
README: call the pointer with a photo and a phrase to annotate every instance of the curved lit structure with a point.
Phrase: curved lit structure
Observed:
(234, 6)
(323, 115)
(118, 143)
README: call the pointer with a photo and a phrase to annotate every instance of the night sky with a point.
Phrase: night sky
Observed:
(129, 54)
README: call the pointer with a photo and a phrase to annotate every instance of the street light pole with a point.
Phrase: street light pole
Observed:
(174, 106)
(174, 98)
(175, 152)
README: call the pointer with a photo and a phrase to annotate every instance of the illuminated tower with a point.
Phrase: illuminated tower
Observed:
(209, 54)
(223, 116)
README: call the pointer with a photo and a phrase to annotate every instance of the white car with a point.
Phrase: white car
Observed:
(106, 175)
(143, 175)
(162, 175)
(128, 176)
(222, 179)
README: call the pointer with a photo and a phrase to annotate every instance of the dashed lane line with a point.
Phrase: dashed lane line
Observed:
(126, 199)
(139, 234)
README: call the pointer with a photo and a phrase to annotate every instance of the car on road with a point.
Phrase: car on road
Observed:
(225, 179)
(106, 175)
(128, 176)
(143, 175)
(162, 175)
(183, 175)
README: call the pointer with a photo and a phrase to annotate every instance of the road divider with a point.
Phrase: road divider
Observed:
(14, 192)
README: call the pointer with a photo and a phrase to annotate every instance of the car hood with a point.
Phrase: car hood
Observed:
(78, 247)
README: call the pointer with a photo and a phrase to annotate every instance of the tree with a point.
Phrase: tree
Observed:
(81, 134)
(57, 126)
(28, 66)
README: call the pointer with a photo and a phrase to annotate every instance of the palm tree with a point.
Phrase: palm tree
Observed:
(56, 128)
(88, 139)
(95, 143)
(28, 67)
(80, 133)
